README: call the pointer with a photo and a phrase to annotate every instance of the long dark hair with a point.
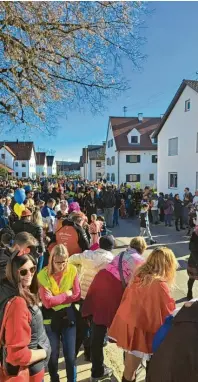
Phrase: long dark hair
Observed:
(30, 294)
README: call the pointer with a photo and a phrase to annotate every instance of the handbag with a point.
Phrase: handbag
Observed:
(23, 374)
(124, 284)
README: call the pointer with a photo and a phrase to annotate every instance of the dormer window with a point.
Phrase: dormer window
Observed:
(154, 140)
(187, 105)
(134, 139)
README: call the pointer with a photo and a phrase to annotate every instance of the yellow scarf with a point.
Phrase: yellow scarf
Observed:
(66, 283)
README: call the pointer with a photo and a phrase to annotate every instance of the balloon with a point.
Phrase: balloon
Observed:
(18, 209)
(19, 195)
(28, 188)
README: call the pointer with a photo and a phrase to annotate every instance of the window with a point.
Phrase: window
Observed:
(154, 158)
(187, 105)
(172, 180)
(108, 161)
(23, 174)
(16, 164)
(151, 176)
(134, 139)
(98, 175)
(196, 180)
(17, 174)
(154, 140)
(23, 165)
(98, 164)
(111, 142)
(133, 178)
(2, 156)
(173, 146)
(113, 177)
(112, 160)
(108, 177)
(132, 158)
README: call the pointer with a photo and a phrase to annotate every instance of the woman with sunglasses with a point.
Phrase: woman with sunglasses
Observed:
(25, 344)
(59, 287)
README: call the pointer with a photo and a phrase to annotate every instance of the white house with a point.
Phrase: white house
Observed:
(6, 158)
(178, 142)
(96, 162)
(24, 165)
(41, 164)
(51, 165)
(131, 151)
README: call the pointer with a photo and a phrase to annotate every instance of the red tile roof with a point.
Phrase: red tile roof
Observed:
(40, 158)
(22, 150)
(121, 126)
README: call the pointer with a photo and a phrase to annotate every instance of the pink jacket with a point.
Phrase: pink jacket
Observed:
(130, 261)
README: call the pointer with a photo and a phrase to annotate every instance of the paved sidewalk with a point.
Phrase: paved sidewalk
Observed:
(178, 242)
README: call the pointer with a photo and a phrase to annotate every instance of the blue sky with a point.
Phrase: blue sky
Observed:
(172, 49)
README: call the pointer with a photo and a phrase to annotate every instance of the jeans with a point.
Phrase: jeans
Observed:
(98, 333)
(168, 219)
(154, 216)
(147, 231)
(108, 214)
(68, 339)
(40, 263)
(116, 216)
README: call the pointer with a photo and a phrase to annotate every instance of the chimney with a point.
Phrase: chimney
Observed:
(140, 117)
(161, 116)
(17, 141)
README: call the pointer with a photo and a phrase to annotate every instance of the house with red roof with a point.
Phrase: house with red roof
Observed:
(21, 156)
(131, 151)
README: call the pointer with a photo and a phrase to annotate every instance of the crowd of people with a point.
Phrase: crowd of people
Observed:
(61, 285)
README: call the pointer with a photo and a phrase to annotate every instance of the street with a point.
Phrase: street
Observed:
(178, 242)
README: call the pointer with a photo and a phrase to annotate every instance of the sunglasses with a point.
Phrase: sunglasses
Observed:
(24, 272)
(60, 262)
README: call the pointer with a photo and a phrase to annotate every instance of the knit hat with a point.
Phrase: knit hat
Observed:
(107, 242)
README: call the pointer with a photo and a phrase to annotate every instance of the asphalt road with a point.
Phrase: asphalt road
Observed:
(166, 236)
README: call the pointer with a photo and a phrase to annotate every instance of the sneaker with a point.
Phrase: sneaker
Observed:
(152, 242)
(107, 373)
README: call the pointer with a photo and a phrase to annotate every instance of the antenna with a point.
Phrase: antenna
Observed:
(124, 110)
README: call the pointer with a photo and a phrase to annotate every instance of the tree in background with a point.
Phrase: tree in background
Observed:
(64, 51)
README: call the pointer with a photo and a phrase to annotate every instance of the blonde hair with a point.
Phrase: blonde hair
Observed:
(60, 251)
(161, 264)
(37, 217)
(94, 217)
(139, 244)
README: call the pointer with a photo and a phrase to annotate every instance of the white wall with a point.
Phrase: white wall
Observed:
(82, 172)
(144, 168)
(9, 159)
(183, 125)
(111, 151)
(18, 169)
(93, 170)
(32, 165)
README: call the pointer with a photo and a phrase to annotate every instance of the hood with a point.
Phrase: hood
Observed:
(68, 222)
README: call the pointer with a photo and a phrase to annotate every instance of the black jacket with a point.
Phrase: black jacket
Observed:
(178, 208)
(108, 199)
(34, 229)
(83, 241)
(5, 255)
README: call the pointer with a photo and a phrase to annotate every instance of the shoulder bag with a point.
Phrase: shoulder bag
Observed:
(124, 284)
(23, 374)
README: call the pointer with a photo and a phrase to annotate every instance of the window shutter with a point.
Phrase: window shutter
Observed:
(138, 177)
(138, 158)
(127, 178)
(127, 158)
